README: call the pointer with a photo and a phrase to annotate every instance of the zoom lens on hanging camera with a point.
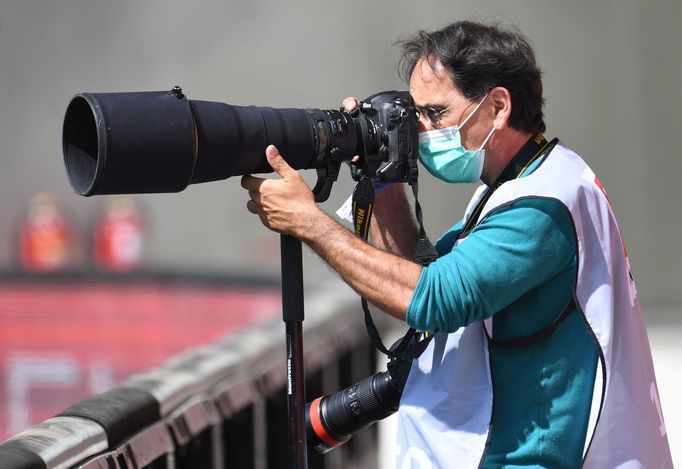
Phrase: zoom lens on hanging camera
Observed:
(331, 420)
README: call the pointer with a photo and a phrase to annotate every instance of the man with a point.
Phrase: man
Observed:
(540, 357)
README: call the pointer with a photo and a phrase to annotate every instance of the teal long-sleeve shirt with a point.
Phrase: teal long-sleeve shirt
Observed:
(516, 249)
(519, 266)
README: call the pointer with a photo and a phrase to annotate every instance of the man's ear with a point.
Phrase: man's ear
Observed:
(502, 106)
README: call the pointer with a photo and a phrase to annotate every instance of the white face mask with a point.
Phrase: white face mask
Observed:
(442, 154)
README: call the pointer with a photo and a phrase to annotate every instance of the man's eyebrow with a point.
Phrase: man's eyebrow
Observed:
(427, 105)
(441, 104)
(431, 105)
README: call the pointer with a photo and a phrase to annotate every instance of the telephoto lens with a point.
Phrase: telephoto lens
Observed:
(331, 420)
(160, 141)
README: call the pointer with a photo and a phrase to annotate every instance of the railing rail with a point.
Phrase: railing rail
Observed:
(222, 405)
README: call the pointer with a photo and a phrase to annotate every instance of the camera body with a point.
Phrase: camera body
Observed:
(392, 133)
(152, 142)
(387, 140)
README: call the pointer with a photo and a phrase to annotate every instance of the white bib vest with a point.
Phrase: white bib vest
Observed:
(445, 410)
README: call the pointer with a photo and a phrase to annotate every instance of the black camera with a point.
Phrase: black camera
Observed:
(332, 420)
(150, 142)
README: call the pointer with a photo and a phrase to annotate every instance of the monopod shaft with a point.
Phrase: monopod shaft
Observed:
(292, 311)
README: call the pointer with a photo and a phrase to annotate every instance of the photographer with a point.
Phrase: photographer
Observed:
(540, 356)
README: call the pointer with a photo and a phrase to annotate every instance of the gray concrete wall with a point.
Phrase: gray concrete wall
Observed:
(612, 79)
(613, 71)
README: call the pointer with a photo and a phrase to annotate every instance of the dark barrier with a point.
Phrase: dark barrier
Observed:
(222, 405)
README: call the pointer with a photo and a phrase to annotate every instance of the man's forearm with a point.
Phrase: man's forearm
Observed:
(393, 227)
(384, 279)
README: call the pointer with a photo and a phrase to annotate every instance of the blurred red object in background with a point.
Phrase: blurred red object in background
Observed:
(118, 237)
(46, 240)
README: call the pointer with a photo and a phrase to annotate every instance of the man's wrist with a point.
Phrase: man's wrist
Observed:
(380, 186)
(314, 226)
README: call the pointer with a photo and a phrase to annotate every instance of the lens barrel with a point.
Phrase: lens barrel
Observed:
(152, 142)
(331, 420)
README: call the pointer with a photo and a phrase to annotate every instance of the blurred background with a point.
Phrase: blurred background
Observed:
(612, 75)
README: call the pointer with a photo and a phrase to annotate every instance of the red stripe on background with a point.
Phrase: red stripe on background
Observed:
(121, 329)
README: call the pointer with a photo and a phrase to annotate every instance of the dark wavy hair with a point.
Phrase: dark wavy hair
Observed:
(479, 57)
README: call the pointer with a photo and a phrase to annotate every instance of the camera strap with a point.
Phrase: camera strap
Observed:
(414, 342)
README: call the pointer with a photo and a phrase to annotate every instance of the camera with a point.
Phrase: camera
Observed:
(159, 141)
(331, 420)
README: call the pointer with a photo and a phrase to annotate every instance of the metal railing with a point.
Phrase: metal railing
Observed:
(222, 405)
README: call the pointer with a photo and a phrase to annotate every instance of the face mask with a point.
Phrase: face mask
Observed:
(442, 154)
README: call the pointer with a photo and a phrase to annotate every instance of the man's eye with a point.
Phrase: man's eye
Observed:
(432, 113)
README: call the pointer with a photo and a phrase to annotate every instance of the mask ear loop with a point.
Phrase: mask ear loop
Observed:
(473, 112)
(492, 131)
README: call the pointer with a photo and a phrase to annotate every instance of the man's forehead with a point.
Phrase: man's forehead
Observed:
(430, 83)
(429, 70)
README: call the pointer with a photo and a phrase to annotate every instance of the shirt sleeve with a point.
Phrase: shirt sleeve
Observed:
(516, 248)
(448, 240)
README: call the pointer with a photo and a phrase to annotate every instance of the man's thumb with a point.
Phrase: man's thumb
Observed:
(276, 161)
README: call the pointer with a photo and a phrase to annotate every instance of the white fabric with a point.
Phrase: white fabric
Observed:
(446, 405)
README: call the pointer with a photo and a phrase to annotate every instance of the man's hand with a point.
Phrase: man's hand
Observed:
(350, 103)
(285, 205)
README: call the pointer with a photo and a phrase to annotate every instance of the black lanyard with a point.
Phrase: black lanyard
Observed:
(534, 149)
